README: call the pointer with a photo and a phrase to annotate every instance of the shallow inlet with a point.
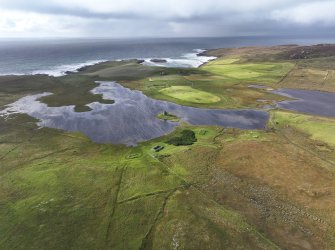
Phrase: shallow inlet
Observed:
(132, 118)
(308, 101)
(312, 102)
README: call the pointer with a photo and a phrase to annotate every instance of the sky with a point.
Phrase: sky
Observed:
(165, 18)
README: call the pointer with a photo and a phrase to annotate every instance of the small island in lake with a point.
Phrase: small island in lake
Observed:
(168, 117)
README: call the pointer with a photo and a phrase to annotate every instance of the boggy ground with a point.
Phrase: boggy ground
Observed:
(61, 191)
(232, 189)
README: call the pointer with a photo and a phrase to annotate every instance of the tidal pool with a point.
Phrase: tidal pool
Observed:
(132, 118)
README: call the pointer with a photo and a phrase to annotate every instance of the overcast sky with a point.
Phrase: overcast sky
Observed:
(165, 18)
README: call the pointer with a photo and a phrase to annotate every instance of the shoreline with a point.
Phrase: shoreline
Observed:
(194, 59)
(280, 53)
(187, 60)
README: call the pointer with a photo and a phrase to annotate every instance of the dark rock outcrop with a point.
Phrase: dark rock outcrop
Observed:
(158, 60)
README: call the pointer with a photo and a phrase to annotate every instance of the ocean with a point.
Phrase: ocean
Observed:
(56, 56)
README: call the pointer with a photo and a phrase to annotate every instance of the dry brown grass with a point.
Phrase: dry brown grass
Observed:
(314, 64)
(301, 184)
(310, 78)
(249, 52)
(284, 190)
(294, 172)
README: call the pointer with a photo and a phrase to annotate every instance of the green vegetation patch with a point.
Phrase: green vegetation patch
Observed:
(190, 214)
(319, 128)
(133, 156)
(167, 116)
(261, 72)
(82, 108)
(187, 137)
(222, 61)
(190, 94)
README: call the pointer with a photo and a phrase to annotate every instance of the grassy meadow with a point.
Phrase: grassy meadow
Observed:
(262, 73)
(188, 94)
(227, 189)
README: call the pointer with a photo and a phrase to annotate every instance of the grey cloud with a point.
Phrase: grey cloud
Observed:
(210, 18)
(52, 9)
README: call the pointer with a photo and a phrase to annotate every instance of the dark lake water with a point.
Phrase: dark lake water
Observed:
(132, 118)
(311, 102)
(308, 101)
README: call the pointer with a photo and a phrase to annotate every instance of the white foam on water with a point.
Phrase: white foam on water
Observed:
(63, 69)
(189, 60)
(13, 74)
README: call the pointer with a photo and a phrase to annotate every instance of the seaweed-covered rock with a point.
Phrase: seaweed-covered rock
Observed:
(158, 60)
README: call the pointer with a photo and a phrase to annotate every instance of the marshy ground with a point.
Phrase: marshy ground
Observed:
(231, 189)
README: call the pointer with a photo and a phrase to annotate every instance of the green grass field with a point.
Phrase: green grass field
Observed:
(318, 128)
(252, 72)
(168, 117)
(61, 191)
(189, 94)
